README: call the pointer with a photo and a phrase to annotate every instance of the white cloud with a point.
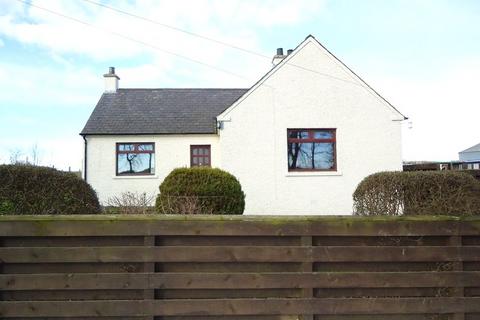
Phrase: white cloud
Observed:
(444, 110)
(9, 7)
(232, 21)
(45, 86)
(1, 43)
(267, 13)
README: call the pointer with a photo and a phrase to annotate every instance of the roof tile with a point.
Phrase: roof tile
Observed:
(160, 111)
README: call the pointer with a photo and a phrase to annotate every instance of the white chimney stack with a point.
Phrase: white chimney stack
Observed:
(111, 80)
(278, 57)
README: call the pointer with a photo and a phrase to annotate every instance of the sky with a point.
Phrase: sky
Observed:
(423, 56)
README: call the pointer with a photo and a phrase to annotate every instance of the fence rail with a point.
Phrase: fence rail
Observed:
(211, 267)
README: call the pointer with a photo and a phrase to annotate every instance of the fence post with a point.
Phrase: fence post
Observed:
(307, 266)
(457, 266)
(149, 267)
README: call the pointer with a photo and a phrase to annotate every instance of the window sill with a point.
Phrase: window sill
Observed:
(313, 173)
(136, 177)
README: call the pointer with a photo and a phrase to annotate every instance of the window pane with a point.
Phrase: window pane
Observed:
(206, 151)
(306, 156)
(310, 155)
(125, 147)
(324, 158)
(145, 147)
(134, 163)
(195, 151)
(206, 161)
(195, 161)
(323, 134)
(200, 151)
(295, 134)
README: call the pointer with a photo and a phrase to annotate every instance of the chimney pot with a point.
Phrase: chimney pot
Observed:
(278, 57)
(289, 51)
(111, 70)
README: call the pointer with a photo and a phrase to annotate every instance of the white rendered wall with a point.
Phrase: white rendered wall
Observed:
(171, 151)
(254, 138)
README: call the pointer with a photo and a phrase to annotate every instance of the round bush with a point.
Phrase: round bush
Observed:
(200, 190)
(26, 189)
(418, 193)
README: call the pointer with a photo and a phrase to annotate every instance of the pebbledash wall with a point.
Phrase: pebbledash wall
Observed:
(308, 89)
(254, 139)
(171, 151)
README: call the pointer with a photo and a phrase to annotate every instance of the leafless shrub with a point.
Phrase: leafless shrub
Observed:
(15, 155)
(130, 203)
(185, 205)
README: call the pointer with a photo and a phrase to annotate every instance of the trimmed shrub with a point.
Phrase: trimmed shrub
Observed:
(200, 190)
(26, 189)
(418, 193)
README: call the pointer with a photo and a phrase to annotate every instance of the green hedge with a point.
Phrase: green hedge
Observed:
(26, 189)
(200, 190)
(418, 193)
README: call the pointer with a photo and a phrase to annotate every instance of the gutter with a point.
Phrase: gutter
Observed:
(84, 158)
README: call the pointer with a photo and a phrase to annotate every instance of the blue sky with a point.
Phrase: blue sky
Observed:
(422, 56)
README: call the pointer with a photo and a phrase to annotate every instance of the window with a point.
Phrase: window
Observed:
(311, 150)
(135, 159)
(200, 155)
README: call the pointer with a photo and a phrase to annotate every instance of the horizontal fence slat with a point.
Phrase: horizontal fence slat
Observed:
(239, 254)
(95, 281)
(87, 308)
(128, 225)
(174, 307)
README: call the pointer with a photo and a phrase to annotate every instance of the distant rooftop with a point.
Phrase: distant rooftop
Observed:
(475, 148)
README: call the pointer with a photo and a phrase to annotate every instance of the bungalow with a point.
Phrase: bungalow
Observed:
(299, 140)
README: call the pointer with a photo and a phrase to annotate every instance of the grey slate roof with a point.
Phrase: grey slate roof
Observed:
(475, 148)
(160, 111)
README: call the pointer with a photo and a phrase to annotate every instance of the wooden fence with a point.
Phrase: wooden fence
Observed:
(212, 267)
